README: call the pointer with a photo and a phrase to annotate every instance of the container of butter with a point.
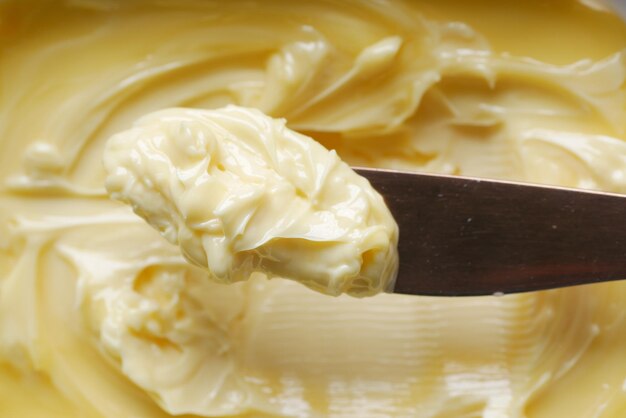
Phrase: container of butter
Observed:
(102, 316)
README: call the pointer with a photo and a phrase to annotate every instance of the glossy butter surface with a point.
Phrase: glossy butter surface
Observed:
(100, 316)
(241, 194)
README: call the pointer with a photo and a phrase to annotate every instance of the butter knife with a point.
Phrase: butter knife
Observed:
(463, 236)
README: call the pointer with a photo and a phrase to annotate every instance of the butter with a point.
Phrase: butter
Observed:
(241, 194)
(101, 316)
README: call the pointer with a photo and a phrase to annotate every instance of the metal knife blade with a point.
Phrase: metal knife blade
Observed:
(464, 236)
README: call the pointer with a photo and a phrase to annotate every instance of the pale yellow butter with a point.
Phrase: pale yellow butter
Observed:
(101, 316)
(241, 193)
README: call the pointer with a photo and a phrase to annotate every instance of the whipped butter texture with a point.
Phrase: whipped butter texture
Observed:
(240, 193)
(102, 316)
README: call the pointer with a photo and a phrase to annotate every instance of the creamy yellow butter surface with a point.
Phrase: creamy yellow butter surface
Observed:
(100, 316)
(240, 194)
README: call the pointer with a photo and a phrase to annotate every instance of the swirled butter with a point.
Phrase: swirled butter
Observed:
(240, 193)
(101, 316)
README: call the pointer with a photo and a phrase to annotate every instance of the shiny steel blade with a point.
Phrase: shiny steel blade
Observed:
(464, 236)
